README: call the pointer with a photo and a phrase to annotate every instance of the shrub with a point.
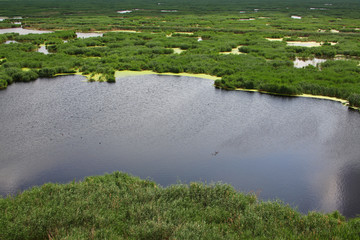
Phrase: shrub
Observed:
(47, 72)
(354, 100)
(110, 78)
(3, 83)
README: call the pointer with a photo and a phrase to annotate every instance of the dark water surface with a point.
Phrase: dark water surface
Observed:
(303, 151)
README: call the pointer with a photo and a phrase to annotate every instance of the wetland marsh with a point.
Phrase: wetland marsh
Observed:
(168, 115)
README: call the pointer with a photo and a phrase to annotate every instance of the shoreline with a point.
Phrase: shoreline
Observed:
(129, 73)
(342, 101)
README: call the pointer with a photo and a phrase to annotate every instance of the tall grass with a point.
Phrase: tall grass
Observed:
(119, 206)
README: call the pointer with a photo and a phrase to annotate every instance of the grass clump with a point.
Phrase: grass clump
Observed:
(119, 206)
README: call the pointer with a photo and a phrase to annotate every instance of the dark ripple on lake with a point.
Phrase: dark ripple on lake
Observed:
(303, 151)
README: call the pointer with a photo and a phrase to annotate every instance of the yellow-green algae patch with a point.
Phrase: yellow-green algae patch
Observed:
(307, 44)
(95, 46)
(186, 33)
(234, 51)
(126, 73)
(177, 50)
(91, 57)
(342, 101)
(101, 77)
(98, 77)
(147, 72)
(125, 31)
(274, 39)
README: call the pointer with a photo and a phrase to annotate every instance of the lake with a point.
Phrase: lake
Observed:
(172, 129)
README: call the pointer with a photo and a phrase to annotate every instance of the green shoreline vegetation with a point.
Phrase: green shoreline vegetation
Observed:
(120, 206)
(162, 43)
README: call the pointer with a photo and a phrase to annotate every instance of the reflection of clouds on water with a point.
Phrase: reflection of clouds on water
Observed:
(324, 183)
(350, 190)
(166, 127)
(16, 173)
(339, 188)
(338, 173)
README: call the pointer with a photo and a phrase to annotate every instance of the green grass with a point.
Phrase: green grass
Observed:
(119, 206)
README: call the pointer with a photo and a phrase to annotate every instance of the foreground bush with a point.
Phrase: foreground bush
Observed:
(119, 206)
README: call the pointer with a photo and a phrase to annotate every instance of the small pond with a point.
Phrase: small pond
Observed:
(10, 41)
(303, 151)
(234, 51)
(307, 44)
(303, 44)
(88, 35)
(299, 63)
(42, 49)
(124, 11)
(177, 50)
(22, 31)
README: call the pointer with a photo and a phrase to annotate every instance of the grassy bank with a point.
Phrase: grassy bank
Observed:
(119, 206)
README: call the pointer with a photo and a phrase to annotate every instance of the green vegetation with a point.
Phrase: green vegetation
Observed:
(265, 65)
(119, 206)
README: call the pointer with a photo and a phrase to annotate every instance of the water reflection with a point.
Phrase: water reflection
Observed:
(10, 41)
(349, 179)
(43, 49)
(302, 151)
(88, 35)
(300, 63)
(22, 31)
